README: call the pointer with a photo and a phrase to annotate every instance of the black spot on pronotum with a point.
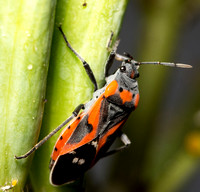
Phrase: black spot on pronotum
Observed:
(55, 149)
(61, 137)
(120, 89)
(69, 127)
(78, 118)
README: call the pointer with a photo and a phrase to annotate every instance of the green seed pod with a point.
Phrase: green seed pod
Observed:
(25, 39)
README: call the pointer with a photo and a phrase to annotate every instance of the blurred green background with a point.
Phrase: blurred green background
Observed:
(165, 128)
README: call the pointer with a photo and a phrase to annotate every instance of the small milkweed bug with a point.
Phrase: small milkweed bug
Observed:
(91, 132)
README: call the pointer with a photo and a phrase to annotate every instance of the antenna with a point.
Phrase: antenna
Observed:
(181, 65)
(127, 56)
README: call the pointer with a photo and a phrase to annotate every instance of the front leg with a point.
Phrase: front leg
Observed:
(112, 55)
(85, 64)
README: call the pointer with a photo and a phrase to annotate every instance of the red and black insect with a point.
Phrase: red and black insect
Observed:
(91, 132)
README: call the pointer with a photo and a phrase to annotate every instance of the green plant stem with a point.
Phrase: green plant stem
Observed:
(88, 29)
(25, 37)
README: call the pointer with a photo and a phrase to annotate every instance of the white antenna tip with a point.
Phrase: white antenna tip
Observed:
(181, 65)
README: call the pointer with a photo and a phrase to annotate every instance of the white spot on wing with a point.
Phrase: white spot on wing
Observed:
(94, 143)
(75, 160)
(81, 161)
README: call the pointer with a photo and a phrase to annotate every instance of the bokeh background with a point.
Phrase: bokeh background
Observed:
(165, 128)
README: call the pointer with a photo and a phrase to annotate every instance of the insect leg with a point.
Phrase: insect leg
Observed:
(85, 64)
(40, 143)
(124, 138)
(112, 55)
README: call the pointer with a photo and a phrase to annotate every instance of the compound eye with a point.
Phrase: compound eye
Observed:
(122, 68)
